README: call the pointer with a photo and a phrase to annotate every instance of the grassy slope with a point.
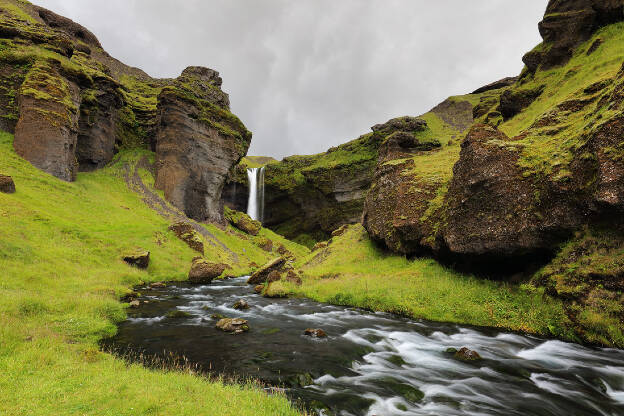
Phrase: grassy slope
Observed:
(353, 271)
(549, 150)
(60, 247)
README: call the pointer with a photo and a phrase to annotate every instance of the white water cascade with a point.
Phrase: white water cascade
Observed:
(255, 204)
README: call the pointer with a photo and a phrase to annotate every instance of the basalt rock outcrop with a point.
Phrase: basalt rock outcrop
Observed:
(402, 208)
(71, 107)
(197, 143)
(568, 23)
(522, 181)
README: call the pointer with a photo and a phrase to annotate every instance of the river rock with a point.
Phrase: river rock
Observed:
(7, 185)
(315, 333)
(241, 304)
(185, 232)
(139, 258)
(157, 285)
(135, 304)
(261, 275)
(320, 245)
(466, 354)
(233, 325)
(204, 272)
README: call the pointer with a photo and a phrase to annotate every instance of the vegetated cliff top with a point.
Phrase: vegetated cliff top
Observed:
(30, 34)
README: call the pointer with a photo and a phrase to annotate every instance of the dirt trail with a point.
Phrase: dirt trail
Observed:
(163, 208)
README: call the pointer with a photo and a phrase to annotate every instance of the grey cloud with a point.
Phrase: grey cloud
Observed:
(306, 75)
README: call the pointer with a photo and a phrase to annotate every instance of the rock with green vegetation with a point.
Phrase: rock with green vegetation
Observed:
(204, 272)
(178, 314)
(320, 245)
(588, 275)
(262, 274)
(403, 206)
(185, 231)
(197, 143)
(300, 380)
(233, 325)
(566, 25)
(258, 288)
(242, 221)
(7, 186)
(139, 258)
(72, 107)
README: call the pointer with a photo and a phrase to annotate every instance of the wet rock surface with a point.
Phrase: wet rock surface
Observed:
(375, 363)
(262, 275)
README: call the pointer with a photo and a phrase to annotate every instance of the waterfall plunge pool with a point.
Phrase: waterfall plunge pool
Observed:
(374, 363)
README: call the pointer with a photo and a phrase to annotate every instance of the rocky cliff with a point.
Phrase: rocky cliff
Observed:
(537, 173)
(72, 107)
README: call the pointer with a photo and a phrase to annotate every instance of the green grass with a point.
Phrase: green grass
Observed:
(548, 151)
(62, 276)
(353, 271)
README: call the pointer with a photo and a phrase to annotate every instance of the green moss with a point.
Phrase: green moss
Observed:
(552, 134)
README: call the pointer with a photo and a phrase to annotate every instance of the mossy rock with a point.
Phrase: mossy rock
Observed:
(137, 257)
(203, 271)
(242, 221)
(178, 315)
(185, 232)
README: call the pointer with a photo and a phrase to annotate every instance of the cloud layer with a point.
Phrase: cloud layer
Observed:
(306, 75)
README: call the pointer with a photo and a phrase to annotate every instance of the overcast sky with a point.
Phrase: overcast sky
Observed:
(306, 75)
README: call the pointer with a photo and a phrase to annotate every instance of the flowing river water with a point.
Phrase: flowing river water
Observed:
(374, 363)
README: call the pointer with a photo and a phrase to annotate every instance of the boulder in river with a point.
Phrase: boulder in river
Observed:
(466, 354)
(7, 186)
(259, 288)
(139, 258)
(233, 325)
(204, 272)
(261, 275)
(241, 304)
(135, 304)
(315, 333)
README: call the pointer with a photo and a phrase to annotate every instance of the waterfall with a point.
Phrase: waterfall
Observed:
(255, 204)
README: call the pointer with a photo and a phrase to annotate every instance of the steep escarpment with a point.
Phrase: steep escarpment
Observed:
(198, 141)
(72, 107)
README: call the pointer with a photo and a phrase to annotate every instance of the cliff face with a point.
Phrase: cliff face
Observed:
(568, 23)
(72, 107)
(198, 141)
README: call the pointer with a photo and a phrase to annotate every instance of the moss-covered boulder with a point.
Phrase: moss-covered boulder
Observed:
(242, 221)
(261, 275)
(7, 186)
(204, 272)
(185, 231)
(137, 257)
(233, 325)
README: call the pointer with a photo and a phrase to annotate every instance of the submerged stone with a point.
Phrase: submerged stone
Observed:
(466, 354)
(315, 333)
(241, 305)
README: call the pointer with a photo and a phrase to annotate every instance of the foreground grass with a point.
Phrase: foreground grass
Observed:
(61, 278)
(352, 271)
